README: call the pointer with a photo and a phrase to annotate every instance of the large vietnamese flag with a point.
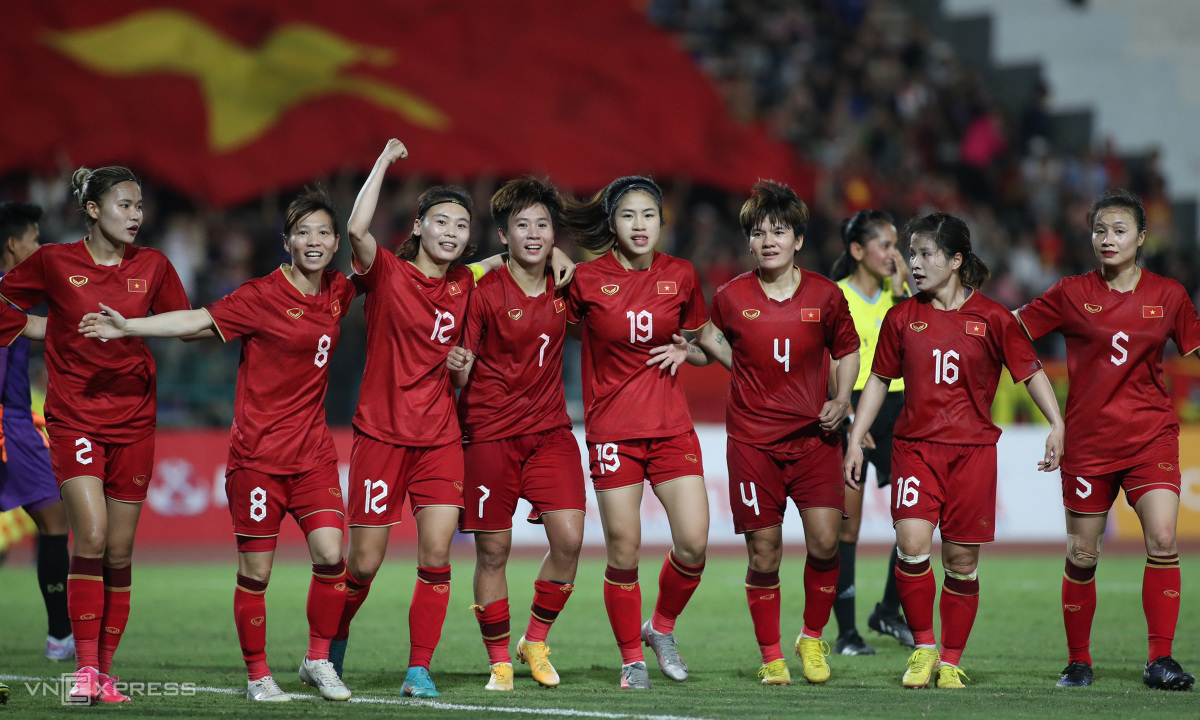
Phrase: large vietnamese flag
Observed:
(227, 99)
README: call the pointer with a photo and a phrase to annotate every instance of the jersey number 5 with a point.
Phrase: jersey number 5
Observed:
(1119, 348)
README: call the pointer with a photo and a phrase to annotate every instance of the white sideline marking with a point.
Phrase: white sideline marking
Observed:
(436, 705)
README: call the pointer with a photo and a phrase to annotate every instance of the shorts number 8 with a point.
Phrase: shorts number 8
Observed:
(258, 504)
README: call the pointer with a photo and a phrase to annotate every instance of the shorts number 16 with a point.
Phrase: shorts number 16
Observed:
(907, 491)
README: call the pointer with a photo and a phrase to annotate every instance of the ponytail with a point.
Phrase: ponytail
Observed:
(952, 237)
(857, 229)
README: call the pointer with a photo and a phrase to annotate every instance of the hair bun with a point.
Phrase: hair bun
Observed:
(79, 179)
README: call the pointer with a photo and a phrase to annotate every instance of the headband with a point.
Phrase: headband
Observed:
(611, 202)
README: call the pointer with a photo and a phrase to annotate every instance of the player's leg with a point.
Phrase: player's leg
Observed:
(118, 585)
(490, 585)
(1158, 510)
(958, 607)
(1085, 536)
(621, 519)
(364, 556)
(87, 513)
(764, 548)
(821, 568)
(849, 642)
(255, 558)
(885, 618)
(53, 566)
(551, 591)
(917, 588)
(326, 600)
(686, 501)
(436, 525)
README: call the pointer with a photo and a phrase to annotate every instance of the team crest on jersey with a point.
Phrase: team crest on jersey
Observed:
(515, 314)
(78, 280)
(1166, 466)
(258, 621)
(1092, 308)
(667, 287)
(139, 479)
(691, 457)
(751, 314)
(458, 486)
(88, 616)
(112, 630)
(610, 289)
(985, 521)
(441, 589)
(1171, 593)
(559, 305)
(810, 314)
(454, 288)
(336, 307)
(295, 313)
(918, 326)
(335, 492)
(1152, 311)
(976, 328)
(1072, 608)
(136, 285)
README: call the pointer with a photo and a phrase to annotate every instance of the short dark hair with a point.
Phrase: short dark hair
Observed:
(436, 195)
(770, 200)
(15, 219)
(313, 199)
(92, 185)
(1118, 198)
(953, 237)
(521, 194)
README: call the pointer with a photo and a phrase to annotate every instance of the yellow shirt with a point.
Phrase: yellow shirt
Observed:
(868, 318)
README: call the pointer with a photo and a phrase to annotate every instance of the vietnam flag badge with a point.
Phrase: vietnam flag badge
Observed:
(668, 287)
(1152, 311)
(137, 285)
(977, 328)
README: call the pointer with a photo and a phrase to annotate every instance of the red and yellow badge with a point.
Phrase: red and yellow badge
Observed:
(610, 289)
(515, 314)
(559, 305)
(137, 285)
(1152, 311)
(1092, 308)
(140, 479)
(454, 288)
(810, 314)
(667, 287)
(918, 326)
(751, 314)
(295, 313)
(78, 280)
(336, 307)
(976, 328)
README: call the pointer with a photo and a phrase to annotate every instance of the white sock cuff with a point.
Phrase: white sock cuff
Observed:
(974, 575)
(912, 559)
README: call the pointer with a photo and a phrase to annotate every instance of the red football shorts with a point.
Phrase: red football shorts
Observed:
(630, 462)
(124, 468)
(953, 486)
(258, 502)
(761, 481)
(381, 475)
(544, 468)
(1094, 494)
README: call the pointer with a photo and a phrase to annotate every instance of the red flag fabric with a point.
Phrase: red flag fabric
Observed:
(226, 99)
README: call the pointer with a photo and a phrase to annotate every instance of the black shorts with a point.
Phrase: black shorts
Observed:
(881, 432)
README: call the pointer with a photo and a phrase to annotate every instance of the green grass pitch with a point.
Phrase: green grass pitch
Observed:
(182, 631)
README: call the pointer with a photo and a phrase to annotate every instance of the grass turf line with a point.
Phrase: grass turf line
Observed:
(182, 631)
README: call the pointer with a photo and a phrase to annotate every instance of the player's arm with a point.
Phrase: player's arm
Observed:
(702, 348)
(1043, 396)
(562, 267)
(864, 416)
(35, 328)
(835, 411)
(111, 325)
(362, 243)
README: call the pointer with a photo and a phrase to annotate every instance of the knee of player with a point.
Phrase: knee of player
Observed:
(691, 551)
(1083, 553)
(1161, 541)
(567, 548)
(325, 555)
(363, 569)
(849, 531)
(491, 557)
(963, 567)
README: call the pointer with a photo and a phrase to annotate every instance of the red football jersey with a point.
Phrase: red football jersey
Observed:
(516, 386)
(412, 322)
(279, 410)
(950, 362)
(12, 324)
(625, 313)
(1117, 403)
(105, 389)
(781, 356)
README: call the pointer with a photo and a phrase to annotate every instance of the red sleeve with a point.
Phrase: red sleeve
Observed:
(575, 306)
(1044, 314)
(1187, 325)
(841, 337)
(477, 315)
(695, 311)
(380, 270)
(887, 349)
(715, 313)
(1019, 357)
(12, 322)
(170, 295)
(25, 285)
(238, 313)
(345, 289)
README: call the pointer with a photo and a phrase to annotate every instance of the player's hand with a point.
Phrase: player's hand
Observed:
(900, 275)
(852, 466)
(670, 356)
(460, 359)
(562, 267)
(1054, 450)
(108, 324)
(832, 414)
(394, 151)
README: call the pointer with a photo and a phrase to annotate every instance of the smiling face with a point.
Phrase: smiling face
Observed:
(1115, 238)
(637, 223)
(774, 245)
(530, 235)
(444, 231)
(878, 256)
(118, 216)
(312, 242)
(931, 269)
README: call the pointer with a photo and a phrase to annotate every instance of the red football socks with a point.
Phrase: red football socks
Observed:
(676, 584)
(917, 589)
(494, 622)
(356, 594)
(820, 590)
(623, 601)
(1160, 602)
(117, 586)
(85, 602)
(250, 617)
(427, 614)
(549, 598)
(1079, 607)
(959, 606)
(763, 595)
(326, 601)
